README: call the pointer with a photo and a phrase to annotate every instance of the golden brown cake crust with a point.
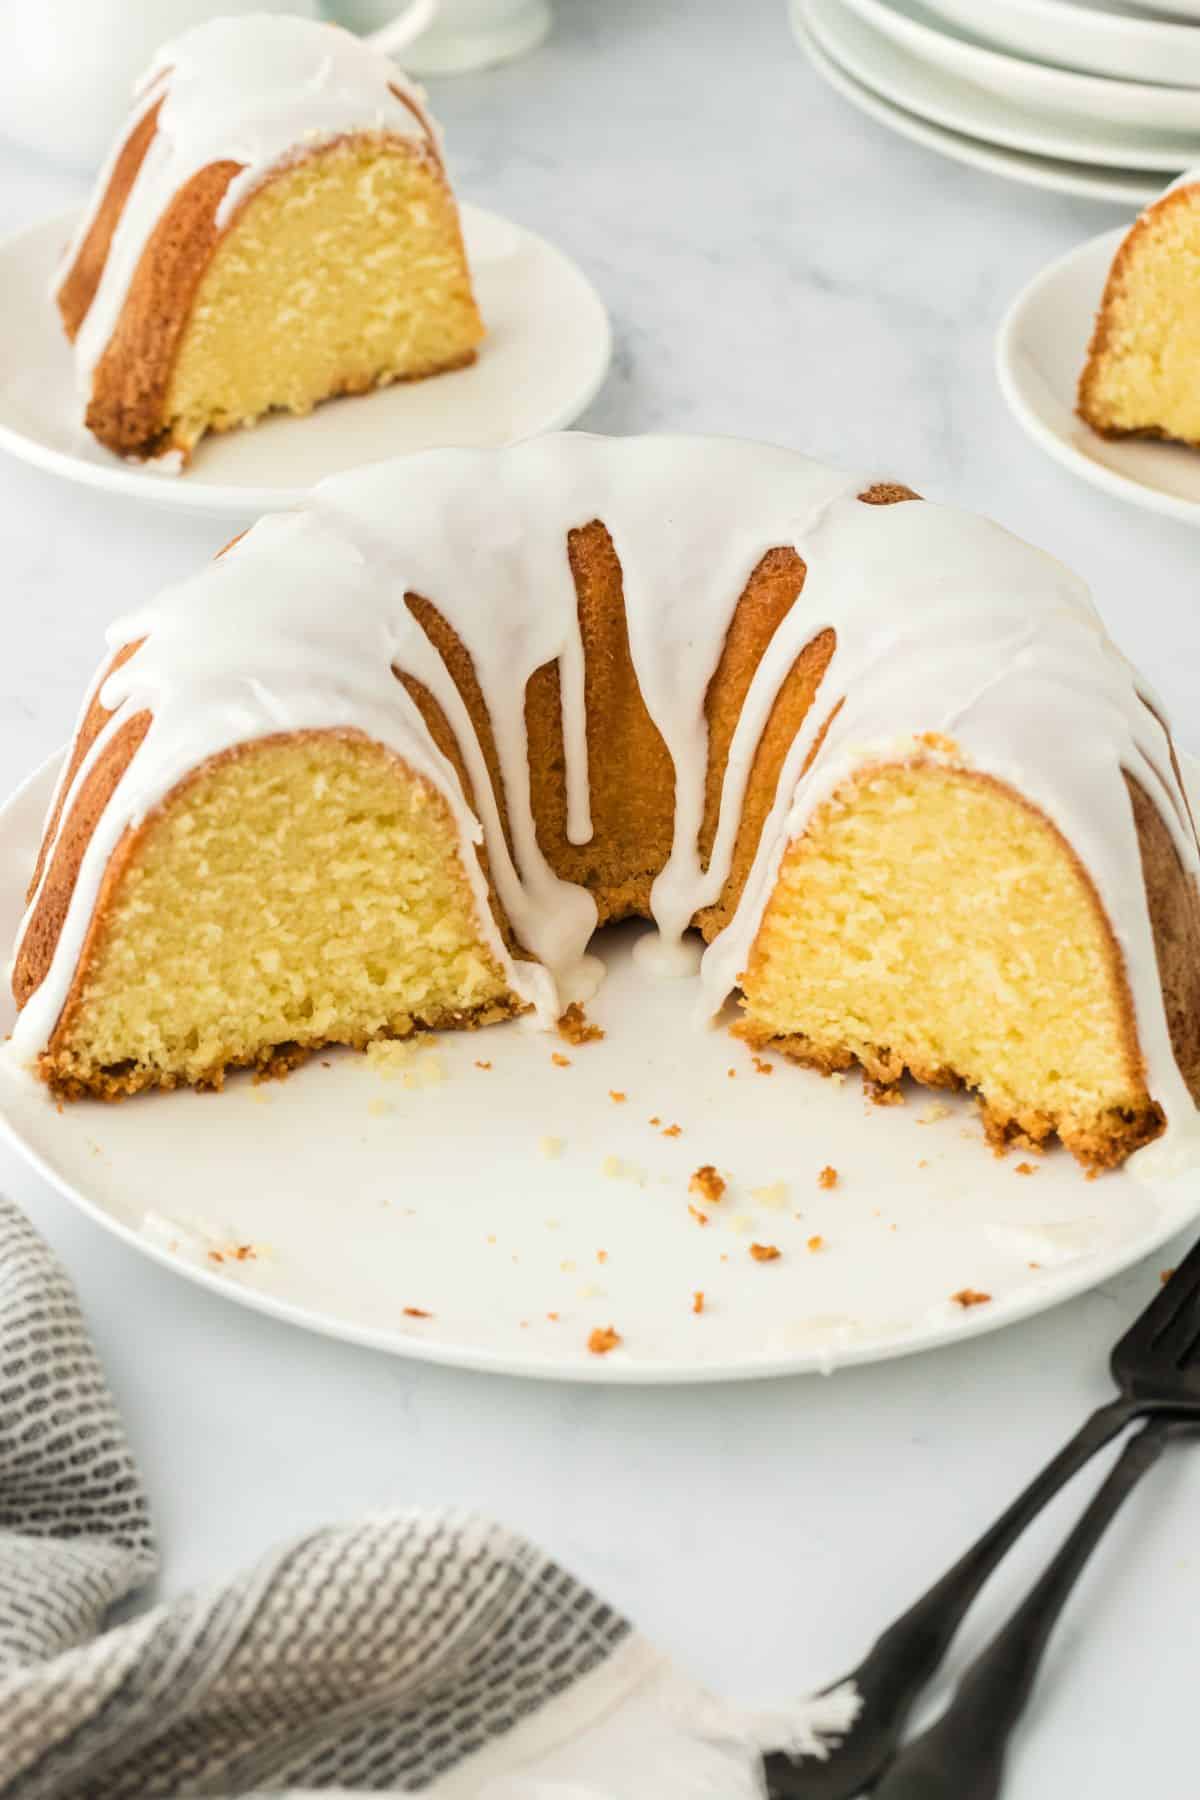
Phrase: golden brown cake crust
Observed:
(129, 387)
(82, 279)
(38, 944)
(1087, 405)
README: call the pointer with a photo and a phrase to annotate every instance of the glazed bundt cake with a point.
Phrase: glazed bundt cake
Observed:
(389, 761)
(1142, 377)
(274, 227)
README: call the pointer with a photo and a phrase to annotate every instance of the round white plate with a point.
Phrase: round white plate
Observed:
(1100, 35)
(356, 1197)
(1182, 9)
(1040, 352)
(1125, 186)
(545, 356)
(890, 69)
(1091, 99)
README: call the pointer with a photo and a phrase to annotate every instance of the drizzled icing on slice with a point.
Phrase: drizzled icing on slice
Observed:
(944, 625)
(254, 90)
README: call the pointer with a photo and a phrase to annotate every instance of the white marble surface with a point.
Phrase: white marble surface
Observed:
(779, 267)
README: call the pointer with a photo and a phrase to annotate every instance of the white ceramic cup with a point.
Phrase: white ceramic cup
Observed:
(67, 67)
(463, 34)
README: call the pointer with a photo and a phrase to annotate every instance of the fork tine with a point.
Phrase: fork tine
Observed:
(1152, 1326)
(1177, 1331)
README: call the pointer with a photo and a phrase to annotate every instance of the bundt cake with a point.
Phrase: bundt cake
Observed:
(389, 761)
(1142, 377)
(273, 227)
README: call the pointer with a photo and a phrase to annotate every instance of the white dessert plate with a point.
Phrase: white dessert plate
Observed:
(543, 361)
(353, 1198)
(1103, 36)
(1129, 187)
(889, 68)
(1040, 351)
(1093, 100)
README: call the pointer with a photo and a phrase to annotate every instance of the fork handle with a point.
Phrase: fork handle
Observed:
(961, 1757)
(904, 1659)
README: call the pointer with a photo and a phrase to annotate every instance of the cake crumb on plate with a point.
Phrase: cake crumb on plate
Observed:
(707, 1183)
(765, 1252)
(575, 1028)
(968, 1297)
(603, 1339)
(828, 1178)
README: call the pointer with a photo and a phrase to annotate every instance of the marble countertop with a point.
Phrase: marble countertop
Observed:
(778, 267)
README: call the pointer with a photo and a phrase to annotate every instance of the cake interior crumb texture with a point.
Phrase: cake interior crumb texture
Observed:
(300, 891)
(930, 921)
(1143, 370)
(342, 273)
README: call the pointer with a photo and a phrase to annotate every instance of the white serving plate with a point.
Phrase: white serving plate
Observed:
(362, 1196)
(1100, 35)
(1127, 187)
(890, 69)
(546, 354)
(1139, 106)
(1040, 352)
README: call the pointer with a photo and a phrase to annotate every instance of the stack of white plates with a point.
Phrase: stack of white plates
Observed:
(1098, 97)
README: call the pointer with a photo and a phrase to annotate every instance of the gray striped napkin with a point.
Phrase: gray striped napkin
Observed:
(418, 1652)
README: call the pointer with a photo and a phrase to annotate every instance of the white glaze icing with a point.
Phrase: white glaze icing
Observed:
(255, 90)
(944, 624)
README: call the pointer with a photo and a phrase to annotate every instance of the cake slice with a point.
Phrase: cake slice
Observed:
(1142, 377)
(930, 922)
(274, 227)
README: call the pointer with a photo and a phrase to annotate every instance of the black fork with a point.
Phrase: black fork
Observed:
(1156, 1366)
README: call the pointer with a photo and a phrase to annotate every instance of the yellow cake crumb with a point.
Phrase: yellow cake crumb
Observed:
(968, 1297)
(707, 1183)
(575, 1028)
